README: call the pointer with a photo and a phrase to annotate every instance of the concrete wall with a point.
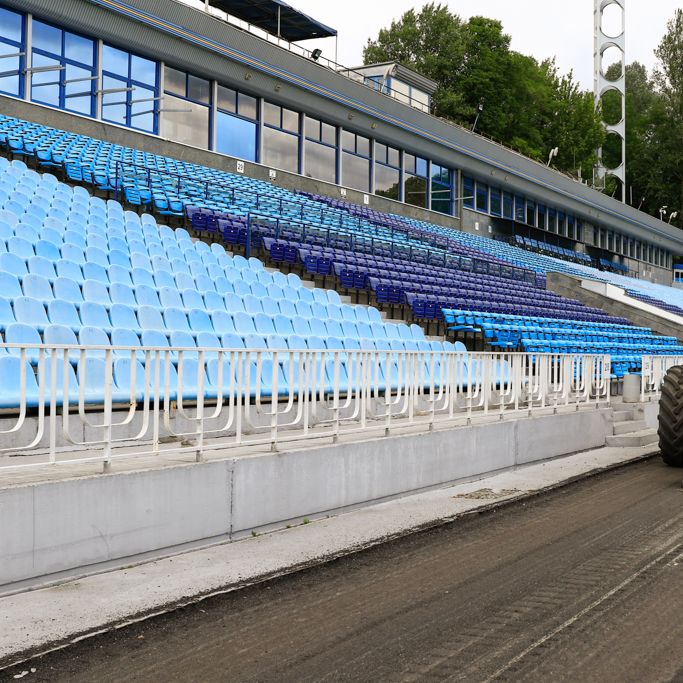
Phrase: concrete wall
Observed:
(570, 287)
(74, 525)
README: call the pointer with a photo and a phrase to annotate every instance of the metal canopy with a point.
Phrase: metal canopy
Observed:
(276, 17)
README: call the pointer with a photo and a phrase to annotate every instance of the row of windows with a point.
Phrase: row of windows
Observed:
(631, 248)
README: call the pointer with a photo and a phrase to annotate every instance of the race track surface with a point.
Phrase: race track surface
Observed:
(582, 584)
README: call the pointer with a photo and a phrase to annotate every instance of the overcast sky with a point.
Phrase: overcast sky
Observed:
(542, 28)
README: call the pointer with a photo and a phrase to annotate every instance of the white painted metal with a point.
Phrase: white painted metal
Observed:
(654, 369)
(602, 43)
(215, 399)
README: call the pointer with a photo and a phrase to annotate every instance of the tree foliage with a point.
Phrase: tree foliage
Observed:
(527, 105)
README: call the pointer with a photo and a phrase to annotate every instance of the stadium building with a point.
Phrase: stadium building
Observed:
(275, 288)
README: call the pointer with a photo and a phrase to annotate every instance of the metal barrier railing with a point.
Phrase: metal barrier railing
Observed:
(654, 369)
(73, 404)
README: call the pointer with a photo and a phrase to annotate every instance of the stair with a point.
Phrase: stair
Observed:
(629, 430)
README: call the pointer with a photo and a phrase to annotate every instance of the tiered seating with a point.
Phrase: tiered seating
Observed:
(625, 344)
(75, 269)
(551, 250)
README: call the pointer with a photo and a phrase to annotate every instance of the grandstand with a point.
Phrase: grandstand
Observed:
(213, 245)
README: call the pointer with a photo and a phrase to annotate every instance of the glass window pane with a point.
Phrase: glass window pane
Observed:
(74, 99)
(415, 191)
(393, 157)
(47, 38)
(188, 123)
(115, 61)
(271, 114)
(356, 172)
(113, 104)
(468, 192)
(175, 81)
(290, 120)
(79, 49)
(348, 141)
(280, 150)
(380, 153)
(520, 209)
(482, 197)
(9, 84)
(143, 70)
(227, 99)
(508, 205)
(10, 25)
(45, 84)
(387, 181)
(329, 134)
(235, 137)
(409, 163)
(312, 128)
(141, 113)
(530, 213)
(320, 162)
(247, 106)
(362, 146)
(441, 197)
(421, 166)
(198, 89)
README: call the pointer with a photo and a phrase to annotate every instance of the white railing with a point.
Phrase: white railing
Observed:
(75, 404)
(652, 374)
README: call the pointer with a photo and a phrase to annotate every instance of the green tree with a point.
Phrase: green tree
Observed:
(526, 105)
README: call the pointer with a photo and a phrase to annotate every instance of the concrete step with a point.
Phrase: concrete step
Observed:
(628, 426)
(623, 415)
(644, 437)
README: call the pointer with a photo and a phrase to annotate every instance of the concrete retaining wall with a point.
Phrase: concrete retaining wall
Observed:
(73, 525)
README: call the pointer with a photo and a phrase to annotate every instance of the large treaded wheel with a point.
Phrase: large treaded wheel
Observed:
(671, 417)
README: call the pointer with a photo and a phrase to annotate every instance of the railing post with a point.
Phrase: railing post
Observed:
(247, 247)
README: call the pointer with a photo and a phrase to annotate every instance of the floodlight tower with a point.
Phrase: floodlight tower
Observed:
(602, 84)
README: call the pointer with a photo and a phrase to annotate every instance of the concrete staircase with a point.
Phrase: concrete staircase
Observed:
(629, 429)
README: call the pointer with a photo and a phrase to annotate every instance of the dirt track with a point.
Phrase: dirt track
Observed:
(584, 584)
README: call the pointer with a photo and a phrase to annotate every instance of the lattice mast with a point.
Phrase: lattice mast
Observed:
(603, 42)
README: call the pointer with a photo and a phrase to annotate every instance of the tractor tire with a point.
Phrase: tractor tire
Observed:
(671, 417)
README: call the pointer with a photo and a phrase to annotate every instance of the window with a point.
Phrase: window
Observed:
(415, 180)
(531, 213)
(355, 161)
(130, 85)
(552, 221)
(496, 202)
(236, 128)
(63, 65)
(542, 220)
(11, 46)
(520, 209)
(562, 224)
(387, 171)
(186, 108)
(320, 150)
(482, 197)
(442, 189)
(508, 205)
(280, 137)
(468, 192)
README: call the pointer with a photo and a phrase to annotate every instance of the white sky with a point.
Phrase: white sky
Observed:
(542, 28)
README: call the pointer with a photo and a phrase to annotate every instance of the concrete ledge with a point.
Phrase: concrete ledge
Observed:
(74, 525)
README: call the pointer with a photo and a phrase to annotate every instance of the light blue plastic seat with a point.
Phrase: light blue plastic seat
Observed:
(150, 318)
(140, 276)
(213, 301)
(31, 312)
(204, 283)
(306, 294)
(252, 304)
(9, 286)
(64, 313)
(184, 340)
(234, 303)
(72, 253)
(301, 326)
(11, 371)
(222, 323)
(319, 311)
(199, 321)
(39, 265)
(37, 287)
(119, 258)
(120, 275)
(95, 271)
(405, 332)
(392, 331)
(334, 312)
(21, 333)
(69, 270)
(124, 317)
(170, 298)
(334, 328)
(244, 324)
(128, 340)
(94, 314)
(129, 377)
(61, 335)
(98, 256)
(333, 297)
(175, 319)
(10, 263)
(348, 313)
(241, 288)
(164, 278)
(287, 308)
(264, 324)
(122, 294)
(283, 325)
(192, 299)
(183, 281)
(92, 375)
(147, 296)
(20, 247)
(93, 336)
(303, 309)
(96, 292)
(379, 330)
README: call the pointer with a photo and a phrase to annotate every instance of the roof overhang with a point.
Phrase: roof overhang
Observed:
(276, 17)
